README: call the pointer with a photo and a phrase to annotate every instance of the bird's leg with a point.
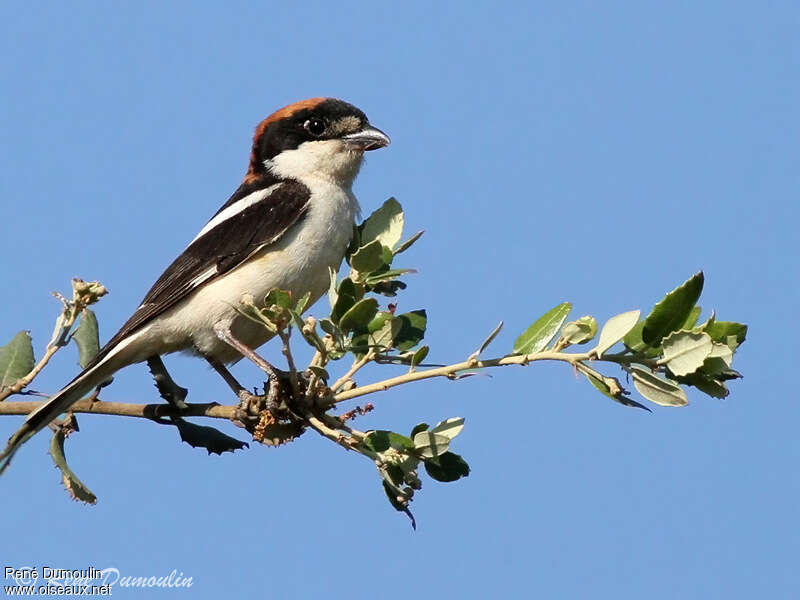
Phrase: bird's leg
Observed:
(246, 399)
(167, 388)
(223, 332)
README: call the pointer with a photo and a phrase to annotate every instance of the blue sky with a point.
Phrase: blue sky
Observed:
(593, 152)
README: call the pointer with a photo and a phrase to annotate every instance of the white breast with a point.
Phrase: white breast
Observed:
(298, 262)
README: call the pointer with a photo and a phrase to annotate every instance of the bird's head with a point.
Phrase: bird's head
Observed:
(320, 138)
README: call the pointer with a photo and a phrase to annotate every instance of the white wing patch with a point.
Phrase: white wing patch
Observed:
(235, 208)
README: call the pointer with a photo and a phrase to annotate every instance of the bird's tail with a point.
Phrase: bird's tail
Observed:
(54, 406)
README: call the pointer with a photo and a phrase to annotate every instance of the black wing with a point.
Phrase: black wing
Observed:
(220, 249)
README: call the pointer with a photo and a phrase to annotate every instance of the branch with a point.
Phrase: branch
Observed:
(122, 409)
(214, 410)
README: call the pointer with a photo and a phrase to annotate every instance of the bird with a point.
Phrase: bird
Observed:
(285, 227)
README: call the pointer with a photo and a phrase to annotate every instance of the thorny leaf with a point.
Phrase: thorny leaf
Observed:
(73, 485)
(203, 436)
(671, 313)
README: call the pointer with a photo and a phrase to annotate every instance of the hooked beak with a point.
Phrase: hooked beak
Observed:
(369, 138)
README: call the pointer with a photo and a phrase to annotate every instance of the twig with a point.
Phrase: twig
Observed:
(450, 370)
(356, 366)
(287, 352)
(25, 380)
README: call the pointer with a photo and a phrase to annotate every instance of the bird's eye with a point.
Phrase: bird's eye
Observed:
(315, 126)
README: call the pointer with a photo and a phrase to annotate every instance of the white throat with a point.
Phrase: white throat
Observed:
(326, 160)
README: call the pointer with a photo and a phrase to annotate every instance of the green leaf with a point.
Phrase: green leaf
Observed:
(280, 298)
(384, 337)
(75, 486)
(16, 359)
(429, 444)
(385, 224)
(449, 428)
(359, 315)
(544, 329)
(656, 389)
(302, 303)
(346, 298)
(722, 352)
(388, 288)
(392, 495)
(418, 428)
(720, 331)
(412, 329)
(381, 440)
(615, 329)
(579, 331)
(685, 351)
(620, 397)
(87, 338)
(388, 275)
(419, 356)
(408, 243)
(448, 467)
(333, 294)
(691, 320)
(328, 327)
(673, 311)
(368, 258)
(487, 341)
(319, 372)
(633, 339)
(203, 436)
(706, 384)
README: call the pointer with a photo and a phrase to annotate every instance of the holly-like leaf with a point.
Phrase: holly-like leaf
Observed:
(76, 488)
(203, 436)
(615, 329)
(544, 329)
(656, 389)
(385, 225)
(673, 311)
(87, 338)
(448, 467)
(685, 351)
(16, 359)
